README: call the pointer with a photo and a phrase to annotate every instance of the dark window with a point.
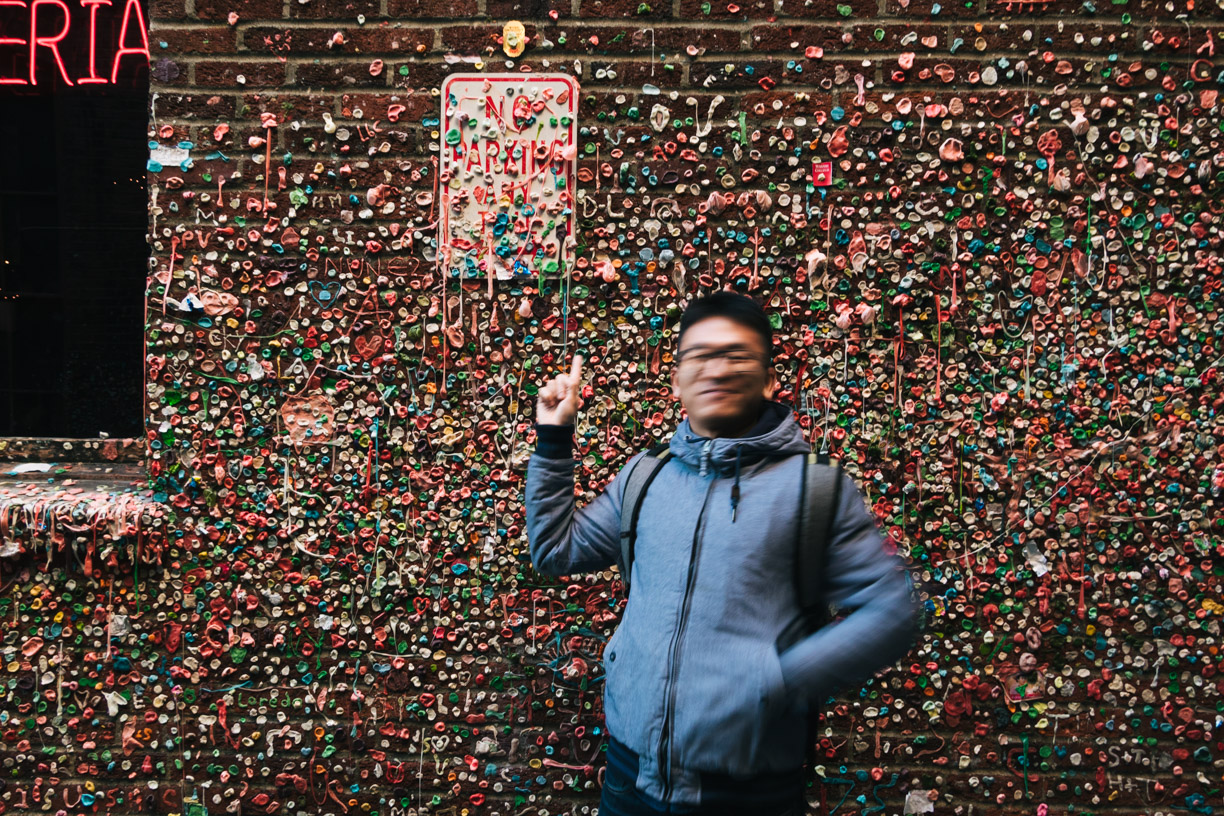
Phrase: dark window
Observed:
(73, 253)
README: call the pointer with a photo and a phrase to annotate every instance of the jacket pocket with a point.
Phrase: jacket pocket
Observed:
(773, 685)
(771, 708)
(732, 713)
(609, 667)
(623, 686)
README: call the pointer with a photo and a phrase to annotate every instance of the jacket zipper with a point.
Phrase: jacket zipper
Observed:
(705, 458)
(673, 661)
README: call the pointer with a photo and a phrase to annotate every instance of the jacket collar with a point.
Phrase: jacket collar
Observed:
(776, 434)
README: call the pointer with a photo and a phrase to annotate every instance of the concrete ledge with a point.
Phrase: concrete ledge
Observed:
(34, 449)
(88, 514)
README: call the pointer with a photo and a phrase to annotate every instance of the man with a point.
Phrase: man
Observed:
(703, 715)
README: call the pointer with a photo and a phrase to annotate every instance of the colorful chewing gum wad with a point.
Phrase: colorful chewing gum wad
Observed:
(514, 38)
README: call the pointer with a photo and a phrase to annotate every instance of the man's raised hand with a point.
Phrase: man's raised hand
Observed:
(559, 399)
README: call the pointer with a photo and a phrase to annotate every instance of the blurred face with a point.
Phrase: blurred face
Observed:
(721, 377)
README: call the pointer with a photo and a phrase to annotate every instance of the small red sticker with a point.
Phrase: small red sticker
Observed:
(822, 173)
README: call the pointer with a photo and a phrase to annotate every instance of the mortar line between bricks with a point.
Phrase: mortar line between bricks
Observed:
(190, 25)
(260, 58)
(831, 96)
(781, 21)
(706, 59)
(746, 27)
(325, 25)
(716, 59)
(697, 89)
(884, 19)
(814, 22)
(815, 96)
(989, 54)
(1104, 27)
(723, 23)
(550, 28)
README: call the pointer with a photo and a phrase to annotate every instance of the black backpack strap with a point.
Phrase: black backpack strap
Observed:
(636, 482)
(820, 495)
(820, 492)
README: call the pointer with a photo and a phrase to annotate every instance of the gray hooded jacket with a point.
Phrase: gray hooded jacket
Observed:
(693, 679)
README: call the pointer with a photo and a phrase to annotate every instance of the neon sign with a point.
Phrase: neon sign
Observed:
(41, 37)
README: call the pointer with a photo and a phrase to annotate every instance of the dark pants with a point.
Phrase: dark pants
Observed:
(766, 795)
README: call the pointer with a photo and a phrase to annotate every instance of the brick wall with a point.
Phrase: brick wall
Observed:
(1002, 314)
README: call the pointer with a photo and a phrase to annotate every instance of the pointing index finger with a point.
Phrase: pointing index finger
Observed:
(576, 369)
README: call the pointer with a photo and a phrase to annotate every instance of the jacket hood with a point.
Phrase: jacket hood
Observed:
(776, 434)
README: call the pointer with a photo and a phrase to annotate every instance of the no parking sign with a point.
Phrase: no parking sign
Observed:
(508, 165)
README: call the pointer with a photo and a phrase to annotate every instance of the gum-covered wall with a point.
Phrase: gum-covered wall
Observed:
(987, 234)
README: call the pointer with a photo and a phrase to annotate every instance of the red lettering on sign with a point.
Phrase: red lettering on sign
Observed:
(12, 41)
(498, 112)
(519, 113)
(142, 29)
(51, 43)
(93, 6)
(57, 36)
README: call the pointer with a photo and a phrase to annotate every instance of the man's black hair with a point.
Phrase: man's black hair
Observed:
(733, 306)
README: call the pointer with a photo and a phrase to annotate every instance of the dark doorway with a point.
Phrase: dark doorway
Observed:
(73, 253)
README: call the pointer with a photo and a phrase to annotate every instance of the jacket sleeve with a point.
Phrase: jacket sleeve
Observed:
(883, 624)
(563, 539)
